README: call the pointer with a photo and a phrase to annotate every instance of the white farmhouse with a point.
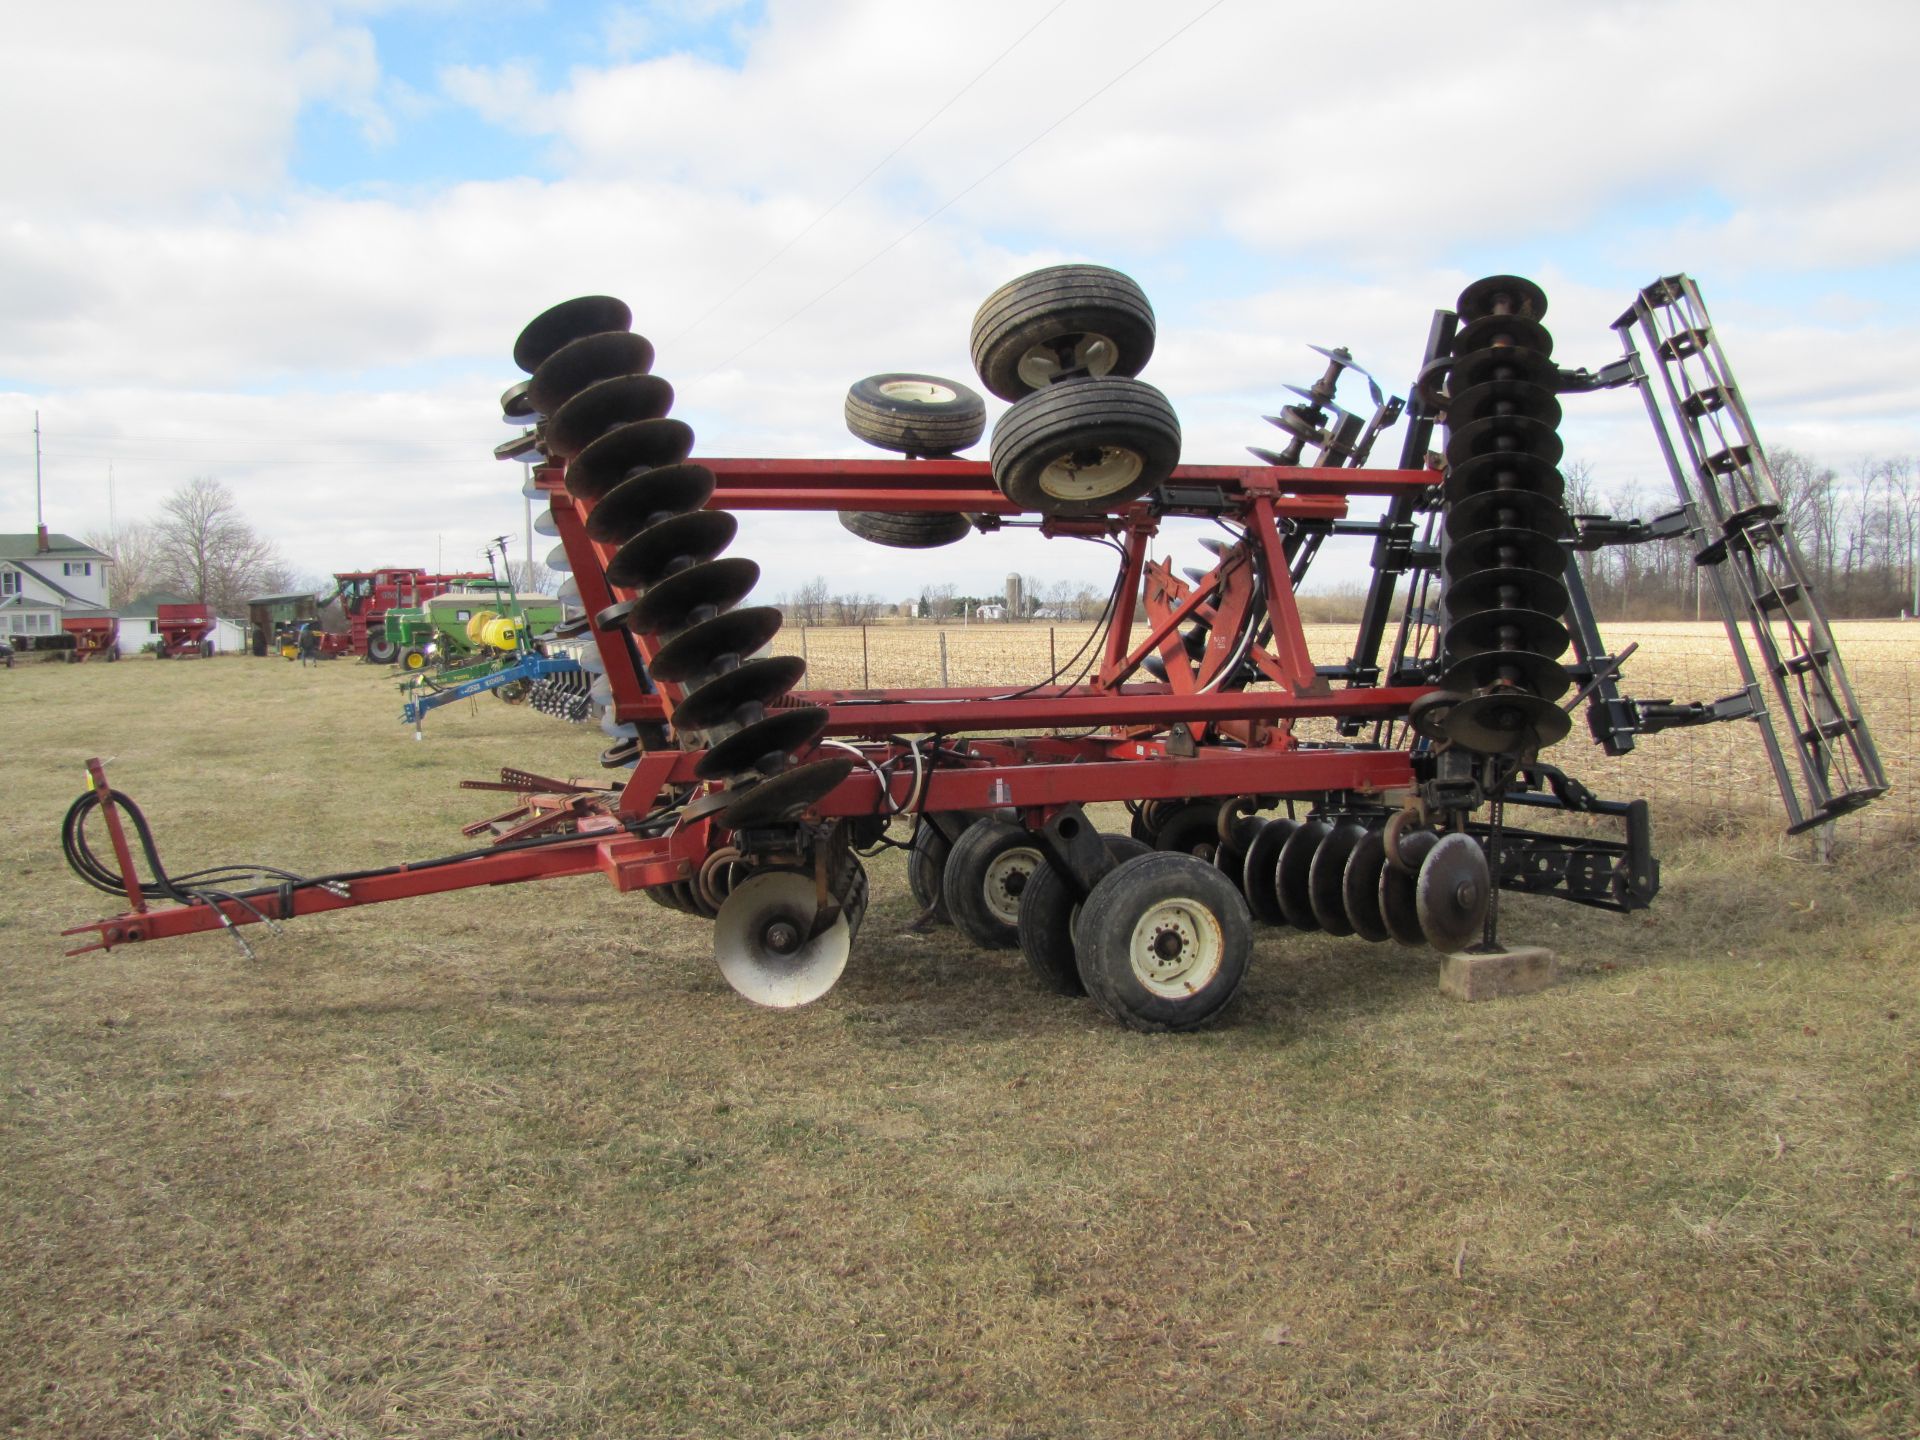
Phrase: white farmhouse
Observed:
(44, 576)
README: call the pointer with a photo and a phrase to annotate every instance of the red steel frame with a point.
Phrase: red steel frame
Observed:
(1156, 740)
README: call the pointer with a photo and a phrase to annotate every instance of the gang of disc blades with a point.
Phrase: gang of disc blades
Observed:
(566, 322)
(515, 406)
(669, 546)
(1505, 587)
(1503, 332)
(758, 682)
(1452, 893)
(772, 739)
(787, 796)
(1504, 473)
(1259, 871)
(1494, 397)
(707, 645)
(603, 405)
(775, 903)
(1480, 367)
(1399, 903)
(1501, 295)
(1504, 435)
(1509, 547)
(637, 445)
(1507, 629)
(678, 601)
(1293, 873)
(1360, 887)
(1534, 674)
(1507, 722)
(586, 361)
(1326, 876)
(1503, 509)
(648, 496)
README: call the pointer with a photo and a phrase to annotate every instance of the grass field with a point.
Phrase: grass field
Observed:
(517, 1162)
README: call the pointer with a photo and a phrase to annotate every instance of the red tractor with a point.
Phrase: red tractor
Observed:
(365, 596)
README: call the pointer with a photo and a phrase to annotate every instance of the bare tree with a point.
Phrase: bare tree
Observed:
(938, 602)
(808, 603)
(207, 550)
(135, 553)
(856, 609)
(533, 577)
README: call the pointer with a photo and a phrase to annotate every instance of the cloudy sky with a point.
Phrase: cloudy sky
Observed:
(289, 245)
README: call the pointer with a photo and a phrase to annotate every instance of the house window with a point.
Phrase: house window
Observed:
(9, 582)
(76, 567)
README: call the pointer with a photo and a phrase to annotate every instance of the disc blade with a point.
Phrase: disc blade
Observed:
(1478, 367)
(515, 407)
(669, 546)
(1507, 722)
(568, 593)
(565, 323)
(715, 644)
(545, 524)
(1507, 629)
(695, 594)
(1501, 295)
(586, 361)
(1504, 435)
(750, 941)
(766, 745)
(1360, 887)
(1259, 874)
(1507, 509)
(1495, 397)
(648, 497)
(1399, 903)
(1293, 875)
(758, 683)
(1511, 671)
(1507, 548)
(1505, 472)
(1503, 332)
(787, 796)
(1492, 589)
(1326, 876)
(557, 559)
(602, 406)
(640, 445)
(1452, 893)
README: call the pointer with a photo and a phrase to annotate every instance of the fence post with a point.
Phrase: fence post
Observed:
(943, 660)
(1053, 657)
(803, 642)
(866, 671)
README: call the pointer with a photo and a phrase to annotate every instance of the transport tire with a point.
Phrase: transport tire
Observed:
(1193, 829)
(1050, 918)
(911, 530)
(915, 414)
(987, 873)
(1164, 943)
(381, 651)
(926, 869)
(1066, 317)
(1085, 447)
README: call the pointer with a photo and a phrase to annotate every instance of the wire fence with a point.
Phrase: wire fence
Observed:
(1723, 765)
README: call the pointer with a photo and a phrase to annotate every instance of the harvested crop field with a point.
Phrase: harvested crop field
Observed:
(516, 1162)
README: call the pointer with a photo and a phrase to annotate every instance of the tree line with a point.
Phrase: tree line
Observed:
(816, 603)
(1858, 534)
(199, 547)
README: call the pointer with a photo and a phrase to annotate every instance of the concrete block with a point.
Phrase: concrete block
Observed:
(1519, 971)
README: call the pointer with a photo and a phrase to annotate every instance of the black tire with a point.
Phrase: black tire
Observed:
(926, 867)
(923, 530)
(1066, 316)
(988, 871)
(1086, 447)
(381, 650)
(915, 414)
(1193, 829)
(1049, 919)
(1134, 912)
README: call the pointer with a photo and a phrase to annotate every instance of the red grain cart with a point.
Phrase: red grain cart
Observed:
(185, 630)
(96, 633)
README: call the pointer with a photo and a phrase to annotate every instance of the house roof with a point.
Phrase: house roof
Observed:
(46, 580)
(65, 547)
(150, 603)
(21, 602)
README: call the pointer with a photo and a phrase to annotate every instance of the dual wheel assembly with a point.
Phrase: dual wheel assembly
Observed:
(1083, 436)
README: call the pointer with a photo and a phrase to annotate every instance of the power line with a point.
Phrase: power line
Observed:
(878, 165)
(955, 199)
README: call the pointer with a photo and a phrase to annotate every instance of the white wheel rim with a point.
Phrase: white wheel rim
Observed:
(1176, 949)
(1067, 478)
(1095, 353)
(919, 392)
(1007, 877)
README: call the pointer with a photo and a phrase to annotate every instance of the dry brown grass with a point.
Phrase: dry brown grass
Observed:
(517, 1163)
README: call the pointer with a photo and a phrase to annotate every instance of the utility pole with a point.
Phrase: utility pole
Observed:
(527, 490)
(39, 510)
